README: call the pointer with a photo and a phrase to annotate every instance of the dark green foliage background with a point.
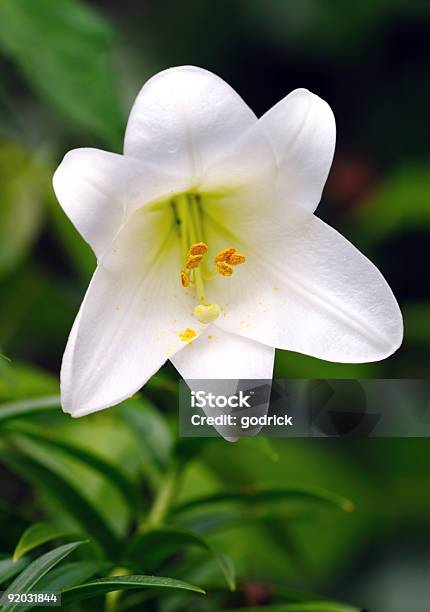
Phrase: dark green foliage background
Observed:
(69, 71)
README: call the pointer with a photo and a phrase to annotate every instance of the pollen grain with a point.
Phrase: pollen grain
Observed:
(224, 255)
(199, 248)
(224, 268)
(187, 334)
(236, 259)
(185, 279)
(194, 261)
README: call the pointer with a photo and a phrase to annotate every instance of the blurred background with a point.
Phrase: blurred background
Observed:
(69, 72)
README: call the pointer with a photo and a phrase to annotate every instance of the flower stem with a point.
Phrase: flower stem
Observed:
(163, 500)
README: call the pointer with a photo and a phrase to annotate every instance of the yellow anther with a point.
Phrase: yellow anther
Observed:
(185, 279)
(236, 259)
(224, 254)
(224, 268)
(200, 248)
(187, 334)
(194, 261)
(206, 313)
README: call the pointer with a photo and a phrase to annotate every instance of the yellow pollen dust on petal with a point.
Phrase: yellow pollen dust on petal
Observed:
(206, 313)
(194, 261)
(187, 334)
(224, 268)
(224, 254)
(185, 279)
(200, 248)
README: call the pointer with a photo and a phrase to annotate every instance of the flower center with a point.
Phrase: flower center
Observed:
(194, 250)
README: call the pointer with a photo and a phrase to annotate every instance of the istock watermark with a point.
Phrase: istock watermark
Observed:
(201, 399)
(305, 408)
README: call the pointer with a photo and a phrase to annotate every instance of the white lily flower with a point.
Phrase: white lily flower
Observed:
(208, 250)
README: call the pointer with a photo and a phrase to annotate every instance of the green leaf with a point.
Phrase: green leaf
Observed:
(296, 494)
(10, 568)
(71, 69)
(19, 381)
(67, 497)
(122, 583)
(115, 476)
(218, 520)
(24, 183)
(157, 544)
(25, 408)
(35, 536)
(34, 572)
(71, 574)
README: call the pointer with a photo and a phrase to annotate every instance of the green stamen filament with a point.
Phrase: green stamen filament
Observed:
(194, 270)
(182, 211)
(191, 233)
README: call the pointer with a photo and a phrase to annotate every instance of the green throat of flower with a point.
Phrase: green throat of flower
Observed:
(195, 270)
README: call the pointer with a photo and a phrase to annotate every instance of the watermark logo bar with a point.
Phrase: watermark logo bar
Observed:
(305, 408)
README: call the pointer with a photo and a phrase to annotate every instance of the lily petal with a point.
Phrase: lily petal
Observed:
(302, 130)
(184, 119)
(131, 319)
(305, 288)
(98, 190)
(217, 354)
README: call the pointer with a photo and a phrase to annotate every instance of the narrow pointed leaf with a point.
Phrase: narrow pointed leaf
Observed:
(21, 381)
(295, 494)
(68, 498)
(25, 408)
(155, 545)
(35, 536)
(33, 573)
(115, 476)
(10, 568)
(72, 574)
(122, 583)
